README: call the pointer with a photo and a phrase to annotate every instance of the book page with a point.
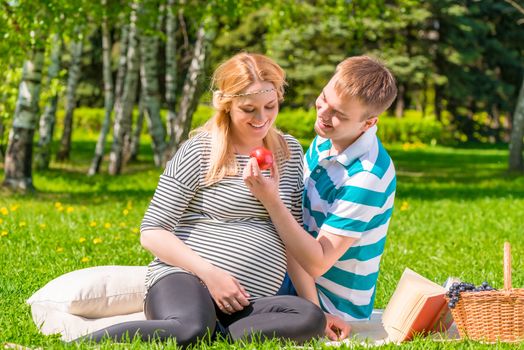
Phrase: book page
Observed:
(406, 302)
(399, 329)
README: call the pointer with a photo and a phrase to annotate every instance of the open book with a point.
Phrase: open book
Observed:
(417, 306)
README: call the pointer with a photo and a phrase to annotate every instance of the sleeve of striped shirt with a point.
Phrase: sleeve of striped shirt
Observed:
(357, 210)
(296, 161)
(176, 188)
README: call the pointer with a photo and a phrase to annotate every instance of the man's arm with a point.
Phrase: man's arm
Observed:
(316, 256)
(302, 281)
(336, 328)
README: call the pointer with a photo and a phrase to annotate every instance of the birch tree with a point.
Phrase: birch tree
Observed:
(48, 118)
(31, 21)
(124, 103)
(122, 62)
(135, 142)
(517, 134)
(516, 162)
(171, 67)
(108, 88)
(190, 91)
(148, 38)
(18, 160)
(72, 83)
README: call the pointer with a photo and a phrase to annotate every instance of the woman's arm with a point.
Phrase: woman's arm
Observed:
(176, 188)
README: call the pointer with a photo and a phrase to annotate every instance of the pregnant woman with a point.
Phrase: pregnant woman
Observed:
(218, 258)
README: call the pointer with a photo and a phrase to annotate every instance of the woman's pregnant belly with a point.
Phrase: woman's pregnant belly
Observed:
(250, 251)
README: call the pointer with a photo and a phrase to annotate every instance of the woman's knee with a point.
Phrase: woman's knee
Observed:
(191, 332)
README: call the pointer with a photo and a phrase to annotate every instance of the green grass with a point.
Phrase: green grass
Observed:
(454, 209)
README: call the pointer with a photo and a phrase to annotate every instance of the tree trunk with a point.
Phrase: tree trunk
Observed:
(517, 133)
(135, 143)
(124, 104)
(150, 90)
(171, 68)
(122, 62)
(189, 92)
(48, 118)
(399, 106)
(108, 96)
(72, 82)
(18, 160)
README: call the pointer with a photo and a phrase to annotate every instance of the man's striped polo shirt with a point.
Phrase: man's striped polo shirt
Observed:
(350, 194)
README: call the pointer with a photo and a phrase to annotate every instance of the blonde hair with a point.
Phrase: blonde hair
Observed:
(230, 78)
(369, 81)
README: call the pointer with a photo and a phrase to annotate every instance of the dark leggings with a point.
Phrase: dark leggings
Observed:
(179, 306)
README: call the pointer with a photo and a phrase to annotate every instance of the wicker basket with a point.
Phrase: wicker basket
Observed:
(492, 315)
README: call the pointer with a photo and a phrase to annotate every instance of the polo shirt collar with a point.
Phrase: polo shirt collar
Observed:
(356, 150)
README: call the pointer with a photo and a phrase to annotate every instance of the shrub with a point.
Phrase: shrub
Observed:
(88, 119)
(411, 129)
(297, 122)
(202, 114)
(91, 119)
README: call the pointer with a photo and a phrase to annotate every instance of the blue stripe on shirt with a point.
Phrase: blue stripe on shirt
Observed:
(365, 252)
(344, 305)
(382, 163)
(351, 280)
(349, 224)
(364, 196)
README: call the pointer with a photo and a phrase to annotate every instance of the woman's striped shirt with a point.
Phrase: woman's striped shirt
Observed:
(224, 223)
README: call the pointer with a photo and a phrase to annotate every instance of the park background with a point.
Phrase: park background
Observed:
(96, 96)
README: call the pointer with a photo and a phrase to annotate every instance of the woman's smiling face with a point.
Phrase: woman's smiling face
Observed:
(253, 115)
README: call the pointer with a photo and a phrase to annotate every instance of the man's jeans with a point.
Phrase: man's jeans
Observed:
(287, 287)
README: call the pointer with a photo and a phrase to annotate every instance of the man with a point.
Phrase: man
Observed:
(349, 189)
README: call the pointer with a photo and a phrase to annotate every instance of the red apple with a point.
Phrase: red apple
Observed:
(263, 156)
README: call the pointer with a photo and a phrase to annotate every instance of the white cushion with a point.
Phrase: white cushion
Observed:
(95, 292)
(71, 327)
(92, 293)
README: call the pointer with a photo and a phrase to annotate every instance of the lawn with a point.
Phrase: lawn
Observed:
(454, 209)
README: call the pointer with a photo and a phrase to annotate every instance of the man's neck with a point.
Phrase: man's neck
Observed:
(338, 147)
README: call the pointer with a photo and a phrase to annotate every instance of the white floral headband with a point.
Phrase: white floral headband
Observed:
(220, 94)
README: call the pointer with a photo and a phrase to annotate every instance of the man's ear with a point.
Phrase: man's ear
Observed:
(370, 122)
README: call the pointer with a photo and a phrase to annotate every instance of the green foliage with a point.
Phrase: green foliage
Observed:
(411, 130)
(468, 53)
(202, 114)
(8, 92)
(454, 208)
(477, 51)
(88, 119)
(299, 123)
(242, 36)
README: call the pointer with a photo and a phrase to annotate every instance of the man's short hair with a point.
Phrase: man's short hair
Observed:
(369, 81)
